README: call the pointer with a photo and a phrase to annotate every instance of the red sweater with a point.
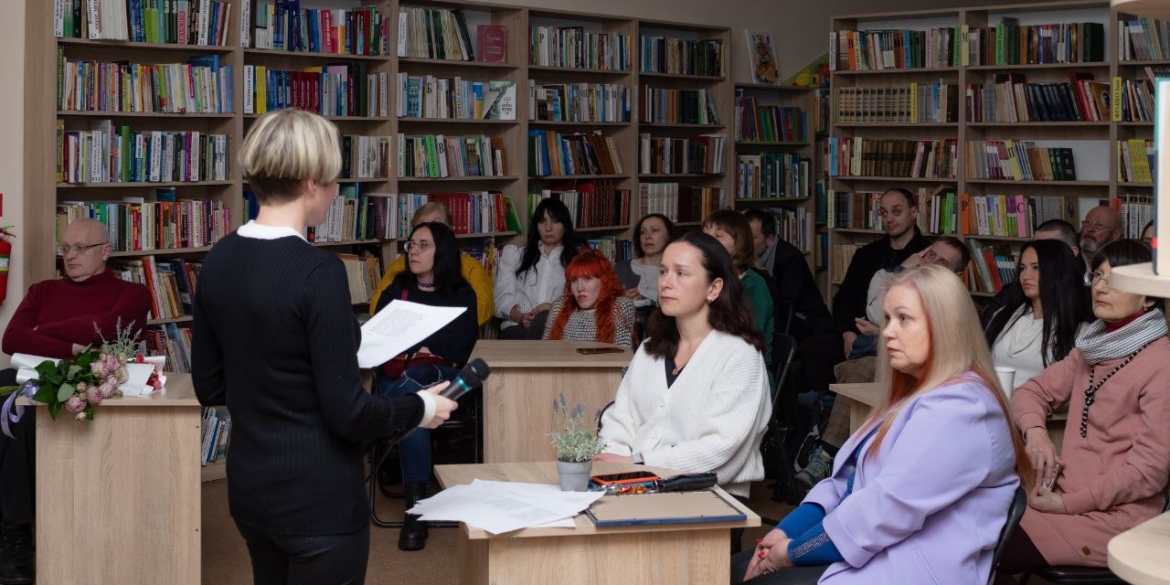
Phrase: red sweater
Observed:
(55, 314)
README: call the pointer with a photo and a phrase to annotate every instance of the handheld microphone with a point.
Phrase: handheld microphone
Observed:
(471, 376)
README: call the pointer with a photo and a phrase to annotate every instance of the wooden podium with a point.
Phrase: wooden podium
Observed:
(118, 497)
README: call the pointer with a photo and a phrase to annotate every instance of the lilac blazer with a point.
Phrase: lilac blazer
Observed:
(929, 506)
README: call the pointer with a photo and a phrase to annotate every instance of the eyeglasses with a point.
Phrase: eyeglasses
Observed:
(66, 249)
(1099, 276)
(422, 246)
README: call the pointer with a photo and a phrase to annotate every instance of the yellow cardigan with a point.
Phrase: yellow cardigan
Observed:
(473, 273)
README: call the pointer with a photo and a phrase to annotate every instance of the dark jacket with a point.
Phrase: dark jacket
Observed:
(849, 302)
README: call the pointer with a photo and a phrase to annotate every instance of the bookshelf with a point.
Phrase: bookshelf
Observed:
(1046, 110)
(775, 154)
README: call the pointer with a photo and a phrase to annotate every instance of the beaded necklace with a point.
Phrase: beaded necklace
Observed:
(1091, 391)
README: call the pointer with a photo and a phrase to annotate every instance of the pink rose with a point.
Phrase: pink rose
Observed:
(75, 404)
(107, 389)
(98, 367)
(93, 395)
(112, 364)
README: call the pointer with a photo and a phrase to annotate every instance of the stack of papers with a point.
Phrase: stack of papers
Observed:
(498, 506)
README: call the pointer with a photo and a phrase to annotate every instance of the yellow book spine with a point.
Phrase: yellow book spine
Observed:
(1116, 102)
(913, 103)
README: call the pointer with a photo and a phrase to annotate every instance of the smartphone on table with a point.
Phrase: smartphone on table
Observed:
(597, 350)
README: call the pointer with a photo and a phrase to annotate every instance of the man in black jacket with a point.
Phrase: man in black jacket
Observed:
(795, 284)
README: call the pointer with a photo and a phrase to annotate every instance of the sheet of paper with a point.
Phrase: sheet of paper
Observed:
(26, 364)
(397, 327)
(499, 507)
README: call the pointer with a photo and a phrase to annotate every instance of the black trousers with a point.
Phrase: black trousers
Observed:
(278, 559)
(818, 353)
(790, 576)
(18, 464)
(1019, 556)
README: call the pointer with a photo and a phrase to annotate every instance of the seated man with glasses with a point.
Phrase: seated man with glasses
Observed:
(56, 319)
(1101, 226)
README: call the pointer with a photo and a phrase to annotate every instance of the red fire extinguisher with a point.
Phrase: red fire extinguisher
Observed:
(5, 253)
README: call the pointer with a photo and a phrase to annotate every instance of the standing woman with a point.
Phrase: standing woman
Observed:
(732, 230)
(919, 494)
(1046, 305)
(594, 307)
(529, 279)
(432, 278)
(275, 339)
(1112, 470)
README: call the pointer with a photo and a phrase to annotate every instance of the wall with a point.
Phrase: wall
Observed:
(11, 154)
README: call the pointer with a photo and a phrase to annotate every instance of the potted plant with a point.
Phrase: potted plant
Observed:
(575, 444)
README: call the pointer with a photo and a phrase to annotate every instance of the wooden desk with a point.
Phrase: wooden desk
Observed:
(526, 377)
(588, 555)
(1138, 555)
(118, 497)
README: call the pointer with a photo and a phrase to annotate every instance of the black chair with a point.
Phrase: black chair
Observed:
(775, 444)
(782, 312)
(1015, 512)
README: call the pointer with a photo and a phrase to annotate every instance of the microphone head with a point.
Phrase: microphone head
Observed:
(475, 372)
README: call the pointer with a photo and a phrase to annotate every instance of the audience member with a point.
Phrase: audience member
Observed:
(1101, 225)
(731, 229)
(794, 281)
(594, 306)
(1053, 229)
(1047, 304)
(639, 275)
(57, 319)
(926, 485)
(470, 268)
(1148, 234)
(433, 278)
(530, 278)
(1111, 472)
(274, 337)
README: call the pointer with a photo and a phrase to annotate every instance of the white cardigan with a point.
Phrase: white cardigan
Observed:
(711, 419)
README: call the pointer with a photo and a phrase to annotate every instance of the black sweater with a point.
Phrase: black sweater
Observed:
(796, 286)
(275, 338)
(455, 340)
(849, 302)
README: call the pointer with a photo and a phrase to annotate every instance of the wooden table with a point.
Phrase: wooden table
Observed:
(1139, 555)
(118, 497)
(588, 555)
(526, 377)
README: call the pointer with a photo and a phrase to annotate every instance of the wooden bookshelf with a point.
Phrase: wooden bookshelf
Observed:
(1094, 142)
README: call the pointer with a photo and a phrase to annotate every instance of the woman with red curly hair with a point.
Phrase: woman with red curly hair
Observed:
(594, 306)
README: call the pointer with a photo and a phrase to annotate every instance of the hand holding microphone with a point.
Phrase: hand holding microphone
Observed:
(446, 393)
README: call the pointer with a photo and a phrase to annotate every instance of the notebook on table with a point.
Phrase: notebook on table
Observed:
(664, 508)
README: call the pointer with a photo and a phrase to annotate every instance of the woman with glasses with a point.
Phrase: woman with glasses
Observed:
(432, 278)
(1112, 470)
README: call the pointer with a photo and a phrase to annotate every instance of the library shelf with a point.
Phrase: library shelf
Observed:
(108, 44)
(675, 125)
(477, 121)
(750, 143)
(911, 71)
(411, 61)
(1136, 184)
(457, 179)
(575, 177)
(143, 184)
(771, 200)
(314, 55)
(655, 176)
(1040, 66)
(551, 70)
(1036, 123)
(183, 319)
(159, 252)
(1045, 183)
(485, 235)
(109, 114)
(897, 124)
(947, 180)
(329, 244)
(566, 123)
(679, 76)
(603, 228)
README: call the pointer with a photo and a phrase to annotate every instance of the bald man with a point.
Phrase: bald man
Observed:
(1101, 225)
(57, 319)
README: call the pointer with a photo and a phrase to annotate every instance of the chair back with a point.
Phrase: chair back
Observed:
(1015, 512)
(782, 314)
(783, 352)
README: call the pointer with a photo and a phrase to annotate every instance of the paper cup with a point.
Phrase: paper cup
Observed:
(1007, 379)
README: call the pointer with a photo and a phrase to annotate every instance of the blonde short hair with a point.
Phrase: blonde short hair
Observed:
(429, 208)
(286, 147)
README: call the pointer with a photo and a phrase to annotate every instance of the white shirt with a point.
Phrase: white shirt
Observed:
(1019, 346)
(647, 282)
(544, 282)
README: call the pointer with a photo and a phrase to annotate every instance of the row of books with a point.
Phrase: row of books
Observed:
(990, 268)
(677, 106)
(485, 252)
(1135, 161)
(771, 175)
(1143, 39)
(1136, 100)
(363, 272)
(681, 203)
(945, 212)
(216, 428)
(434, 156)
(821, 250)
(840, 255)
(1136, 209)
(1010, 43)
(821, 116)
(573, 47)
(552, 154)
(578, 102)
(916, 103)
(1018, 160)
(332, 90)
(180, 22)
(1012, 99)
(859, 157)
(674, 156)
(794, 226)
(348, 217)
(476, 212)
(614, 248)
(427, 96)
(682, 56)
(172, 283)
(284, 26)
(434, 33)
(199, 86)
(172, 341)
(365, 157)
(137, 225)
(591, 203)
(860, 50)
(109, 154)
(759, 123)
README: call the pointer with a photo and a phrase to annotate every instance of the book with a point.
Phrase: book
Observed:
(492, 43)
(762, 57)
(500, 99)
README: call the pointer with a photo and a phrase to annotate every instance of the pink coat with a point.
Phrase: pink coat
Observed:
(1115, 478)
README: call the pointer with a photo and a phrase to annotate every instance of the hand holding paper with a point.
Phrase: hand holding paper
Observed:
(398, 327)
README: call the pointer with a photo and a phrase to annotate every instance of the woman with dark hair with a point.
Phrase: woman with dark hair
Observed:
(593, 307)
(1148, 234)
(1113, 467)
(433, 277)
(919, 493)
(732, 230)
(640, 274)
(530, 278)
(1046, 305)
(695, 397)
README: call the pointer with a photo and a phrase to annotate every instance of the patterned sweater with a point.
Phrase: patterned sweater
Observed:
(582, 325)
